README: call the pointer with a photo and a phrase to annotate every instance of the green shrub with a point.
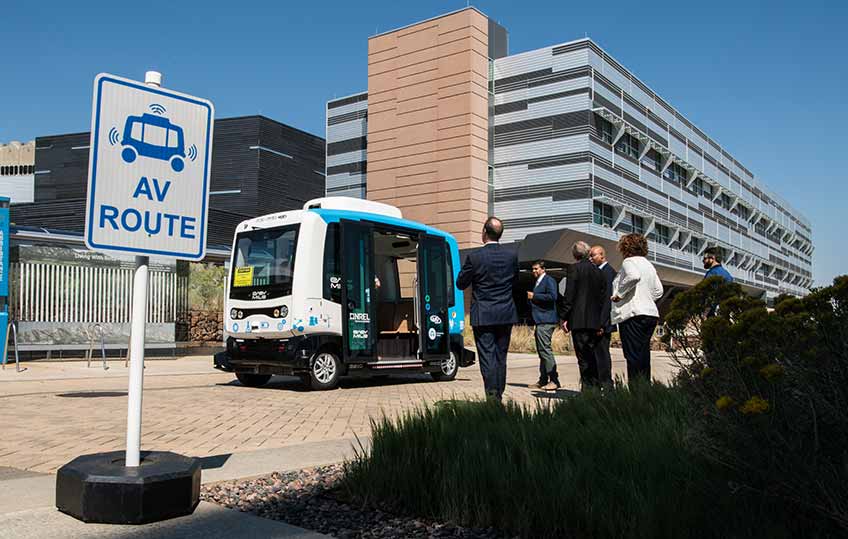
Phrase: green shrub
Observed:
(206, 287)
(770, 394)
(612, 465)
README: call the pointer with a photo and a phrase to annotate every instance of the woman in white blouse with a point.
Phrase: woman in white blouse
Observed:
(635, 291)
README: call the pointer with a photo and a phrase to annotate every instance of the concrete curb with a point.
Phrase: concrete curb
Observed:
(27, 501)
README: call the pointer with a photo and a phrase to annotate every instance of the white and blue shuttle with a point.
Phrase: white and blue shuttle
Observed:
(342, 287)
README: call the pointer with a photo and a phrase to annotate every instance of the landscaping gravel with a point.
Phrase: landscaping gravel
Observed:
(309, 499)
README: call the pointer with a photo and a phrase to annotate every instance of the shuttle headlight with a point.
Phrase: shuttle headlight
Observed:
(240, 315)
(284, 311)
(233, 314)
(276, 313)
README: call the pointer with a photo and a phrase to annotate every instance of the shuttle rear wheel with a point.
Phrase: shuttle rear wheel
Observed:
(448, 370)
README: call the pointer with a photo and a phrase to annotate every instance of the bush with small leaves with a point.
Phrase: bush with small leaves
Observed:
(770, 392)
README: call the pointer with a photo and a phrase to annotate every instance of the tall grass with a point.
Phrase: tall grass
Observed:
(523, 340)
(613, 465)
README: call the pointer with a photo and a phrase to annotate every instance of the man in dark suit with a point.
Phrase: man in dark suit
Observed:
(581, 309)
(543, 309)
(598, 257)
(492, 272)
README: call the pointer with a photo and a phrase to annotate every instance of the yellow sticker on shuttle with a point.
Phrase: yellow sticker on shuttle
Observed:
(243, 276)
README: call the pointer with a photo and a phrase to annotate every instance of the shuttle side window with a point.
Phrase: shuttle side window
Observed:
(332, 265)
(450, 281)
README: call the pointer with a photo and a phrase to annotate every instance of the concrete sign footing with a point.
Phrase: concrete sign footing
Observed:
(101, 488)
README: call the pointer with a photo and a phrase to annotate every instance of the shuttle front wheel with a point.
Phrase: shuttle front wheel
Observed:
(325, 371)
(448, 370)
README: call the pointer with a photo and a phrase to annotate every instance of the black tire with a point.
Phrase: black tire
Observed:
(252, 380)
(448, 370)
(325, 370)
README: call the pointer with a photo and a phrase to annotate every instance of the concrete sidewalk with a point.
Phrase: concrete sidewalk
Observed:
(27, 500)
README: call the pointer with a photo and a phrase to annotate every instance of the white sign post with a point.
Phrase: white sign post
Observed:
(148, 193)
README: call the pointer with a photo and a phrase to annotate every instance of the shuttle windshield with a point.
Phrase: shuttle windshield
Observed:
(263, 263)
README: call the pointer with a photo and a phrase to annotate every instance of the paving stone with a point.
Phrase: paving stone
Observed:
(192, 409)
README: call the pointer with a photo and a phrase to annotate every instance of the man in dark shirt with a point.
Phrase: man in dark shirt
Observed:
(492, 272)
(598, 257)
(580, 309)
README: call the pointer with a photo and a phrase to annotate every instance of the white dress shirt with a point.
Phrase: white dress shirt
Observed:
(539, 279)
(639, 287)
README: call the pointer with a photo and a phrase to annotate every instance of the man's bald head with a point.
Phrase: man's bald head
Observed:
(597, 255)
(492, 229)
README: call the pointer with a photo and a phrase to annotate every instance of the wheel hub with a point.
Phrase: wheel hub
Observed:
(324, 368)
(449, 364)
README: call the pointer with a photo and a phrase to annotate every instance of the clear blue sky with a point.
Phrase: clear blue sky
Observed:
(767, 80)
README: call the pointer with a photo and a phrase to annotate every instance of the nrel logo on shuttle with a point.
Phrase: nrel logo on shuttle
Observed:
(148, 179)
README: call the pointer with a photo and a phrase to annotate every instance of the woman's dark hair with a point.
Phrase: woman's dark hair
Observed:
(633, 245)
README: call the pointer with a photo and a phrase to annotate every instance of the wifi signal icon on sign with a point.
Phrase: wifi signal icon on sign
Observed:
(114, 136)
(156, 108)
(192, 152)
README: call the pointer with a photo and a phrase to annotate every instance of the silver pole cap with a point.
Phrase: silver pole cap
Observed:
(153, 78)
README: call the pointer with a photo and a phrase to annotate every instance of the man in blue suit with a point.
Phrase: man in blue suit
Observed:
(543, 309)
(492, 272)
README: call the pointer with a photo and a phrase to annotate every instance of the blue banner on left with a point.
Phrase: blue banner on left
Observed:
(4, 248)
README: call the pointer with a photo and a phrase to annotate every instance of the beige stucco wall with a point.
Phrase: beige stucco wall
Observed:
(17, 153)
(428, 122)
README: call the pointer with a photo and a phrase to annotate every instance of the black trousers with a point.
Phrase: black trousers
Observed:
(585, 342)
(492, 345)
(636, 336)
(603, 360)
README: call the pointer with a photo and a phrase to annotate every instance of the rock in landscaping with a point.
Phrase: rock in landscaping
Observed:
(306, 498)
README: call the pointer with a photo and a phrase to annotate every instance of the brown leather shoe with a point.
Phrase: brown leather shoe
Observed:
(551, 386)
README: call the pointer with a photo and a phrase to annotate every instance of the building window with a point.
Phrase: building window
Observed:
(743, 212)
(724, 201)
(694, 245)
(604, 129)
(675, 173)
(634, 224)
(637, 224)
(602, 214)
(653, 160)
(628, 145)
(662, 234)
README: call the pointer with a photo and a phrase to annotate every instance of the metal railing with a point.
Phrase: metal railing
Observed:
(56, 292)
(96, 331)
(13, 330)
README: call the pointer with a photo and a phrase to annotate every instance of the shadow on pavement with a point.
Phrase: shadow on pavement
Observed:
(290, 383)
(92, 394)
(214, 461)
